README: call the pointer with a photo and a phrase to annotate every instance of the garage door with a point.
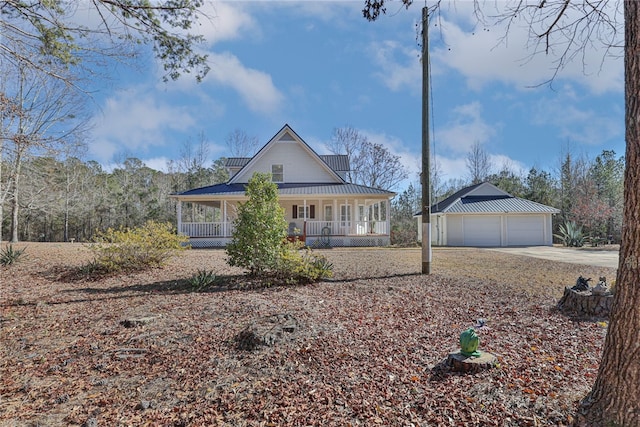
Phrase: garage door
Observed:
(481, 230)
(525, 230)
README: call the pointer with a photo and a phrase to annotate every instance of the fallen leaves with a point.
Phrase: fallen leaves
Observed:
(367, 350)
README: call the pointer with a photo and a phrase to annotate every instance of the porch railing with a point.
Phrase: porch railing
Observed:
(206, 229)
(335, 228)
(314, 228)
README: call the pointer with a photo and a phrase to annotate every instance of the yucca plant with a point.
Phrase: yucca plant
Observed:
(202, 279)
(9, 255)
(571, 234)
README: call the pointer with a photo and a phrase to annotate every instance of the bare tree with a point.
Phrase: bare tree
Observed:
(371, 164)
(45, 118)
(478, 164)
(239, 144)
(570, 27)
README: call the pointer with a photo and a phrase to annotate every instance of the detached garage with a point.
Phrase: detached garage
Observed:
(484, 215)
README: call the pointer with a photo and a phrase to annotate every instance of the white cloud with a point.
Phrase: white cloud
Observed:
(577, 121)
(157, 163)
(498, 53)
(465, 128)
(226, 21)
(255, 87)
(400, 66)
(134, 120)
(450, 167)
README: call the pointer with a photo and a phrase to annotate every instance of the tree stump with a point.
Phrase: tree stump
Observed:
(461, 363)
(585, 303)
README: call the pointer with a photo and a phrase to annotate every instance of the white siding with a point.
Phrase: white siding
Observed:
(299, 165)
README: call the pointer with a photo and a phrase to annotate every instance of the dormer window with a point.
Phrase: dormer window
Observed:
(277, 173)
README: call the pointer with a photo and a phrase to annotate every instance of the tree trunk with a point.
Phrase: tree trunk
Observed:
(14, 212)
(614, 399)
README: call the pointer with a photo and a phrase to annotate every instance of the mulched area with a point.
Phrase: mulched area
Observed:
(365, 348)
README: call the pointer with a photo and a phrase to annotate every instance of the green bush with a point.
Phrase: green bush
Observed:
(298, 265)
(259, 241)
(150, 245)
(10, 256)
(571, 234)
(259, 229)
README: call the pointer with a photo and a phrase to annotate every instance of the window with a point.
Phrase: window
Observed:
(277, 173)
(345, 213)
(304, 212)
(361, 215)
(328, 212)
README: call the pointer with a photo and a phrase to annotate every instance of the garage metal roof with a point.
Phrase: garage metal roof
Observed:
(495, 204)
(487, 198)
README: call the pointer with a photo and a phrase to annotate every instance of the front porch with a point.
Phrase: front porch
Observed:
(357, 223)
(318, 233)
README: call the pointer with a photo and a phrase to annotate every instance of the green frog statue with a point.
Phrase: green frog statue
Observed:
(469, 341)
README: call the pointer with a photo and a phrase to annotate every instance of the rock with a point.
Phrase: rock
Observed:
(266, 331)
(461, 363)
(144, 404)
(585, 303)
(132, 323)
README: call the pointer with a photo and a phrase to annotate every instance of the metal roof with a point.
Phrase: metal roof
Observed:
(236, 162)
(337, 162)
(300, 189)
(487, 198)
(496, 204)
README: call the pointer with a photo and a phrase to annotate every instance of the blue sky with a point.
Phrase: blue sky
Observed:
(318, 65)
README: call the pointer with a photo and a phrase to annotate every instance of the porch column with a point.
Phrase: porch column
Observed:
(387, 216)
(335, 219)
(224, 219)
(179, 215)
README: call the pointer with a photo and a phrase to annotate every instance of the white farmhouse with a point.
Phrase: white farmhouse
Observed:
(320, 206)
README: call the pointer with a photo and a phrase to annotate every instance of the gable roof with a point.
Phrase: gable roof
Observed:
(285, 134)
(337, 162)
(487, 198)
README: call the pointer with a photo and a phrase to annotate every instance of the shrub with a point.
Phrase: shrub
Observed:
(150, 245)
(10, 256)
(202, 279)
(571, 234)
(298, 265)
(259, 229)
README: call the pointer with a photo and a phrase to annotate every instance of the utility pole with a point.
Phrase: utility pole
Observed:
(426, 170)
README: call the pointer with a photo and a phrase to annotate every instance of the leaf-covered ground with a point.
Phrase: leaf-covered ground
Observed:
(367, 348)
